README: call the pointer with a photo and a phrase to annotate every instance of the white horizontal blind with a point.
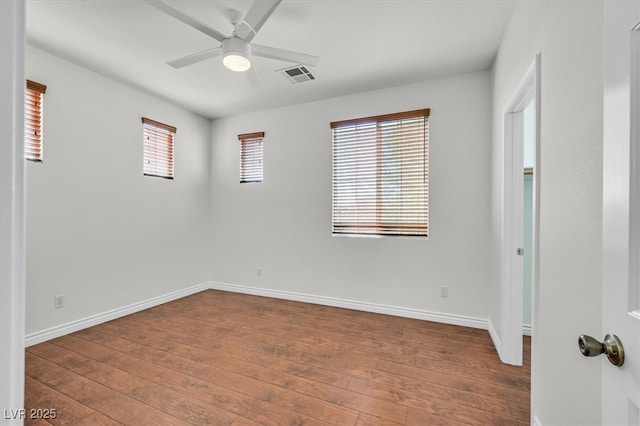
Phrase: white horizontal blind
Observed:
(33, 120)
(157, 149)
(381, 175)
(251, 157)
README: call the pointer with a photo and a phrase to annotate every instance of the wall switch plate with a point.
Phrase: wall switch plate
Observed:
(444, 291)
(58, 302)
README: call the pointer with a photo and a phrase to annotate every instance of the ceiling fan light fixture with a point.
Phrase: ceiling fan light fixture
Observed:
(236, 62)
(235, 54)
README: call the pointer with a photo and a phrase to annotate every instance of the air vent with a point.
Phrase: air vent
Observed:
(297, 74)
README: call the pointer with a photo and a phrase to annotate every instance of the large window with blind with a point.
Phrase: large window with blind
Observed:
(34, 93)
(157, 149)
(251, 157)
(381, 175)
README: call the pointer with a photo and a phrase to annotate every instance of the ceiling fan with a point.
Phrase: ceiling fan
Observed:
(236, 49)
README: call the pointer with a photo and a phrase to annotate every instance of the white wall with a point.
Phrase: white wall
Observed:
(98, 232)
(92, 219)
(283, 225)
(565, 386)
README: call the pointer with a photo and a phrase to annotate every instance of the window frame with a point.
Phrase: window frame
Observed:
(33, 121)
(365, 200)
(163, 136)
(251, 157)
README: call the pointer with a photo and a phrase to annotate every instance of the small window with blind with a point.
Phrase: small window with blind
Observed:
(381, 175)
(157, 149)
(33, 120)
(251, 157)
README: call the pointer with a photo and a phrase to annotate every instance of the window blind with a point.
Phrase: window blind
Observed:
(251, 157)
(157, 148)
(381, 175)
(33, 120)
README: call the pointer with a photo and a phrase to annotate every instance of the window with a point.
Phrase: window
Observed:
(157, 149)
(33, 120)
(251, 157)
(381, 175)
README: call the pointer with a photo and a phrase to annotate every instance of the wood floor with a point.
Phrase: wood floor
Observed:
(230, 359)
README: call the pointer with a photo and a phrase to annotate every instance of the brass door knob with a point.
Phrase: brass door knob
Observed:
(612, 346)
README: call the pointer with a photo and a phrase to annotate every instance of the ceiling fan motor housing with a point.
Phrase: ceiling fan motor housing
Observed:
(236, 53)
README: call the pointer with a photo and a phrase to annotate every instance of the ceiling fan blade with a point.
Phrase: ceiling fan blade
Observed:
(195, 57)
(253, 78)
(187, 19)
(283, 55)
(255, 18)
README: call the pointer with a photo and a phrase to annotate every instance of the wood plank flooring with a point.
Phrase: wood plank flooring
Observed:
(218, 358)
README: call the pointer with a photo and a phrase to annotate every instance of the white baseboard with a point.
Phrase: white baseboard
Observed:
(495, 337)
(73, 326)
(526, 331)
(453, 319)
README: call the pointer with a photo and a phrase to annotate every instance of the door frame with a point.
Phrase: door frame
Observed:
(511, 312)
(12, 209)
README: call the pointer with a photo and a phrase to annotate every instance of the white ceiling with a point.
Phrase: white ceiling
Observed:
(362, 45)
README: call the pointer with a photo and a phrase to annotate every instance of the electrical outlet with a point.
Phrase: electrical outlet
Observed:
(58, 302)
(259, 271)
(444, 291)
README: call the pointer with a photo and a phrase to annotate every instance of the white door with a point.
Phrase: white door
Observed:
(621, 210)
